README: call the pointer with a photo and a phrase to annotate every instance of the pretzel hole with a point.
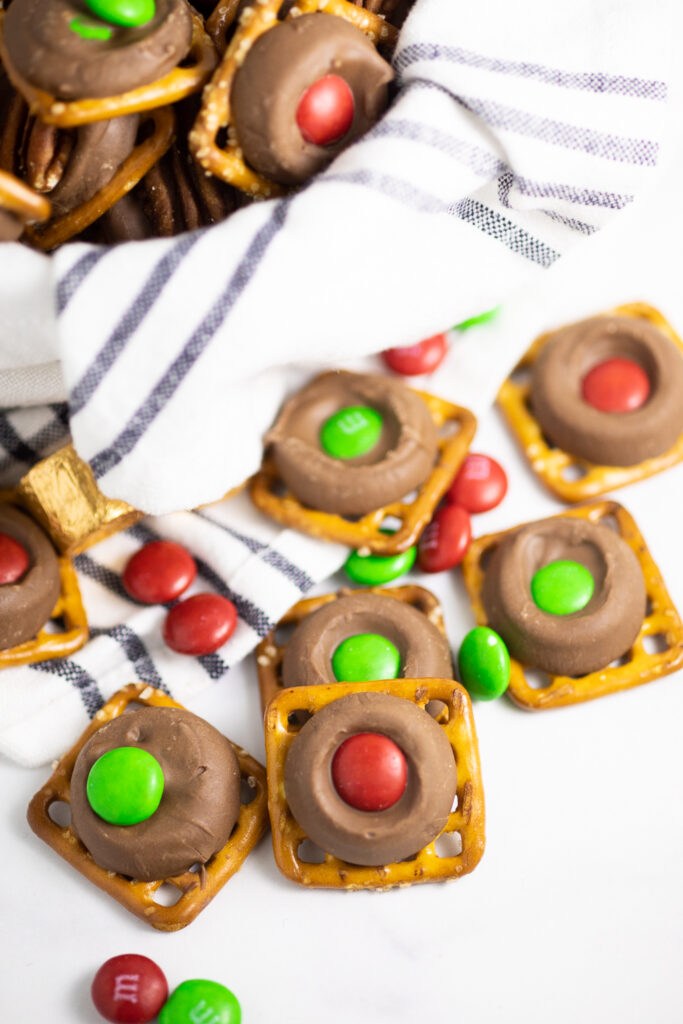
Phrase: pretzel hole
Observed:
(572, 471)
(486, 557)
(297, 718)
(247, 790)
(410, 859)
(537, 679)
(447, 430)
(390, 524)
(611, 522)
(656, 643)
(620, 662)
(438, 710)
(56, 624)
(167, 895)
(283, 633)
(649, 606)
(59, 812)
(408, 499)
(309, 853)
(454, 805)
(448, 844)
(521, 376)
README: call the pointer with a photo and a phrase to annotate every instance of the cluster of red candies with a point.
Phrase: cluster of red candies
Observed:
(159, 573)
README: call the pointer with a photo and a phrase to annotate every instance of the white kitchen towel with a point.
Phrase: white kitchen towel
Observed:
(515, 132)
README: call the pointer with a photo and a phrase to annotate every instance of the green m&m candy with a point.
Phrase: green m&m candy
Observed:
(88, 28)
(201, 1002)
(562, 587)
(475, 321)
(125, 786)
(351, 432)
(373, 570)
(128, 13)
(364, 657)
(484, 664)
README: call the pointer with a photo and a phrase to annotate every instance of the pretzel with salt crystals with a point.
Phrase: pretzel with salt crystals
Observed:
(179, 83)
(21, 201)
(283, 722)
(640, 665)
(565, 475)
(226, 161)
(365, 533)
(196, 890)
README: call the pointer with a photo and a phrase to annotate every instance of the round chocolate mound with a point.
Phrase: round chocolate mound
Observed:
(280, 66)
(584, 641)
(401, 460)
(199, 806)
(608, 438)
(371, 837)
(49, 54)
(423, 648)
(25, 606)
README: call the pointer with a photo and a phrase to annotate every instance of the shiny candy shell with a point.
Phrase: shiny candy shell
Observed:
(325, 111)
(445, 540)
(201, 1002)
(562, 587)
(480, 485)
(373, 570)
(369, 771)
(127, 13)
(129, 989)
(125, 786)
(424, 357)
(484, 664)
(159, 572)
(13, 559)
(350, 432)
(200, 624)
(616, 385)
(365, 657)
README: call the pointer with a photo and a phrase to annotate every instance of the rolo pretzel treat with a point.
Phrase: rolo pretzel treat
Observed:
(29, 578)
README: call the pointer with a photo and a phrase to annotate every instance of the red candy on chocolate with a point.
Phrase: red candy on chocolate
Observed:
(200, 624)
(445, 540)
(325, 111)
(369, 771)
(415, 359)
(13, 559)
(481, 484)
(616, 385)
(129, 989)
(159, 572)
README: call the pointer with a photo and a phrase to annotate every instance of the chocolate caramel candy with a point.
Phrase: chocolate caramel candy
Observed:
(26, 603)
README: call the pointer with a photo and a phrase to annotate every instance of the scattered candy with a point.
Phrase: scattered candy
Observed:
(125, 786)
(616, 385)
(374, 570)
(366, 657)
(484, 664)
(201, 1002)
(200, 624)
(159, 572)
(369, 771)
(90, 29)
(480, 485)
(129, 989)
(325, 111)
(445, 540)
(13, 559)
(476, 321)
(415, 359)
(351, 432)
(128, 13)
(562, 587)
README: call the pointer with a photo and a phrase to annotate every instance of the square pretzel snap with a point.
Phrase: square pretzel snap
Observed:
(269, 653)
(455, 426)
(570, 477)
(450, 707)
(657, 650)
(196, 889)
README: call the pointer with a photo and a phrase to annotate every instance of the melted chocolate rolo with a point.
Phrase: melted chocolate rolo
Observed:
(423, 648)
(280, 66)
(51, 56)
(401, 460)
(584, 641)
(371, 837)
(608, 438)
(25, 606)
(199, 806)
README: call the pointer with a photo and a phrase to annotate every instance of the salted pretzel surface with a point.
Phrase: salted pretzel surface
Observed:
(568, 476)
(269, 653)
(225, 160)
(366, 532)
(179, 83)
(197, 889)
(455, 718)
(640, 665)
(22, 201)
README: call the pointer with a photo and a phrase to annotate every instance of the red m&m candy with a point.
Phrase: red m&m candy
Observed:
(159, 572)
(616, 385)
(325, 111)
(13, 559)
(481, 484)
(369, 771)
(415, 359)
(445, 540)
(200, 624)
(129, 989)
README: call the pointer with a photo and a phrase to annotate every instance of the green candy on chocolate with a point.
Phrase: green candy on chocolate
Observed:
(125, 786)
(201, 1002)
(365, 657)
(484, 664)
(562, 587)
(127, 13)
(373, 570)
(88, 29)
(351, 432)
